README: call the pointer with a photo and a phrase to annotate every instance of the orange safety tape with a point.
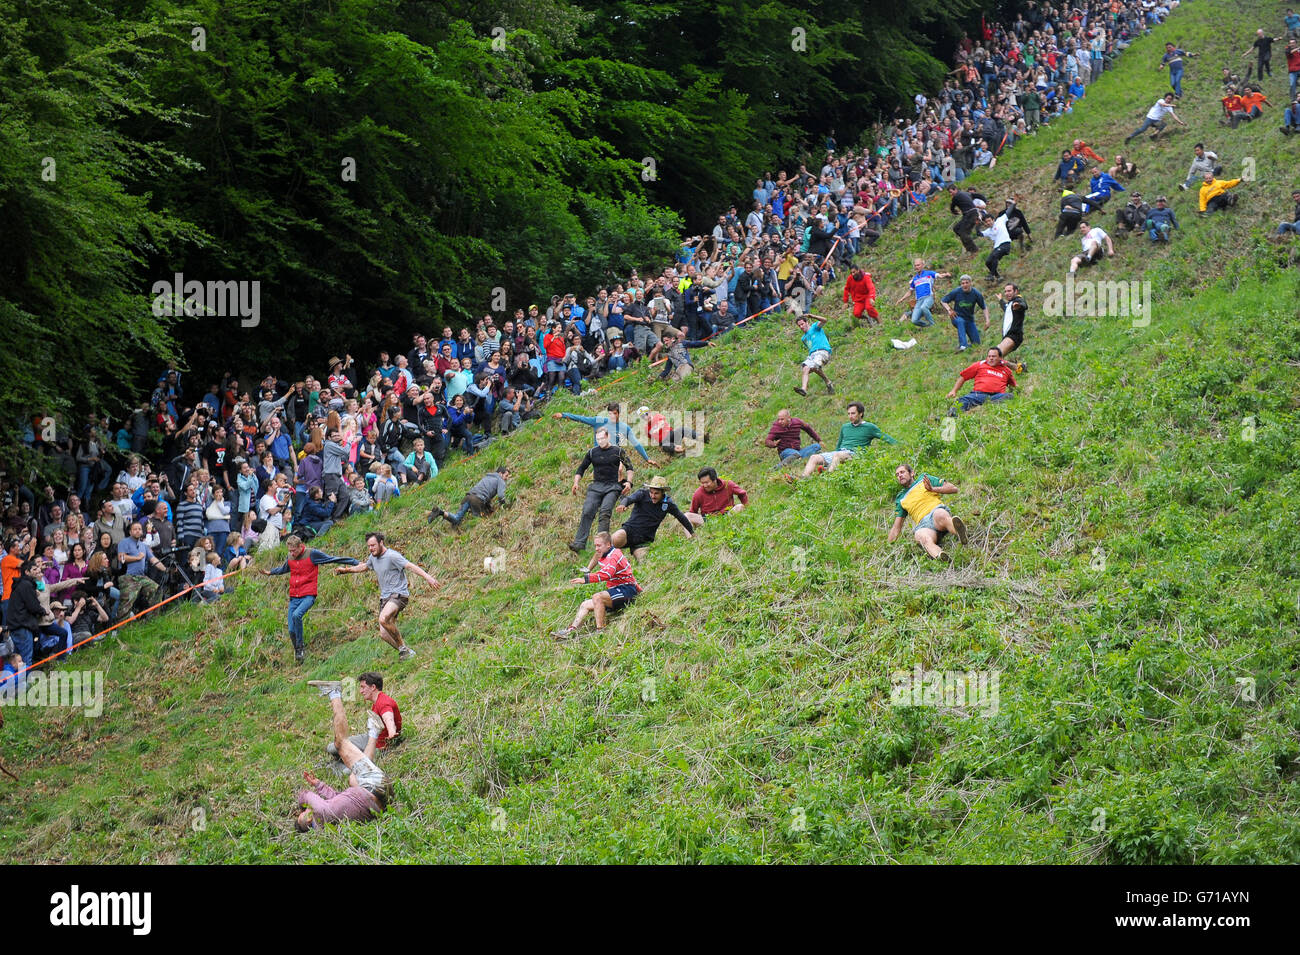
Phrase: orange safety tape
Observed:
(122, 623)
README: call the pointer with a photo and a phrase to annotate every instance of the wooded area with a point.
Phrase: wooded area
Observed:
(380, 165)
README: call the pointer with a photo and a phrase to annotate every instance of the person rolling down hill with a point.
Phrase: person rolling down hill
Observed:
(819, 353)
(370, 789)
(920, 499)
(992, 381)
(622, 589)
(479, 498)
(859, 287)
(1096, 246)
(854, 435)
(1215, 195)
(1161, 221)
(650, 505)
(1156, 117)
(714, 497)
(619, 433)
(303, 568)
(784, 435)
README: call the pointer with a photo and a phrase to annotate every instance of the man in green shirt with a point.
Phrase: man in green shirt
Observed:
(856, 434)
(920, 499)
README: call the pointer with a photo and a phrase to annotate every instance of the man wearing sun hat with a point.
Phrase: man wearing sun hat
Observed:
(650, 505)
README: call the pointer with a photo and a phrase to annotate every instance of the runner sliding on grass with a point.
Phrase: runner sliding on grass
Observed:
(920, 500)
(614, 571)
(819, 353)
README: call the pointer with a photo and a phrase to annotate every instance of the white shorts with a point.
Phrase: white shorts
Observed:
(817, 359)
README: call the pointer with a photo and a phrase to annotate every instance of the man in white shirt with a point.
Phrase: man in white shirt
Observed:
(1156, 117)
(1095, 242)
(995, 230)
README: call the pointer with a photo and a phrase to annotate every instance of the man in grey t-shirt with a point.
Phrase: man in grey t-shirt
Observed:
(390, 568)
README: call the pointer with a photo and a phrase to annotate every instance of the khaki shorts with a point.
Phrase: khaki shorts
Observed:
(817, 359)
(369, 776)
(394, 599)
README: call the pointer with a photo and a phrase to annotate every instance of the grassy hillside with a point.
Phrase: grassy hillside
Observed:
(1133, 557)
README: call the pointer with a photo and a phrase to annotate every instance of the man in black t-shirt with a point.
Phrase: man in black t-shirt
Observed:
(650, 505)
(1263, 46)
(964, 206)
(605, 460)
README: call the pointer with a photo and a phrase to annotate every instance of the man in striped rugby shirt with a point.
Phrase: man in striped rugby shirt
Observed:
(614, 571)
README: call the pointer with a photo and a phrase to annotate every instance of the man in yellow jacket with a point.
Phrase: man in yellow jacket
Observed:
(1215, 195)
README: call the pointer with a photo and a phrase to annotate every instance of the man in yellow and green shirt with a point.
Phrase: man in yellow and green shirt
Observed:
(921, 499)
(1215, 195)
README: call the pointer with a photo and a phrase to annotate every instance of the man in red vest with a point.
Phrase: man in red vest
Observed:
(303, 569)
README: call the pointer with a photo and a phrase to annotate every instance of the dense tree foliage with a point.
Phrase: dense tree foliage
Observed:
(375, 164)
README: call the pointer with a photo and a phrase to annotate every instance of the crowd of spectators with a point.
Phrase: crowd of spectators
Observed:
(182, 489)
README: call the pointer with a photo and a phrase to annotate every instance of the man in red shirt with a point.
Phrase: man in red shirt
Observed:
(384, 721)
(369, 790)
(614, 571)
(992, 379)
(862, 290)
(715, 497)
(303, 568)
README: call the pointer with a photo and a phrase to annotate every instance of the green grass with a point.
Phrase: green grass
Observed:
(1133, 557)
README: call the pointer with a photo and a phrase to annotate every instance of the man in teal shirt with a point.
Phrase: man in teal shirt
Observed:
(856, 434)
(819, 353)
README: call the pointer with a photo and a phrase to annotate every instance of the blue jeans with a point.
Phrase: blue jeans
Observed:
(967, 332)
(1147, 123)
(1295, 76)
(976, 398)
(921, 316)
(617, 362)
(741, 309)
(298, 607)
(1291, 117)
(788, 453)
(23, 644)
(1285, 227)
(1158, 231)
(1176, 81)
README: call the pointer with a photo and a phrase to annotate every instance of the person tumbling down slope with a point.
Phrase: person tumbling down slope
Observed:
(920, 499)
(369, 790)
(616, 572)
(854, 435)
(819, 353)
(650, 505)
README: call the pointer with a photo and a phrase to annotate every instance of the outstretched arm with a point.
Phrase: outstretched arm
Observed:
(421, 572)
(896, 529)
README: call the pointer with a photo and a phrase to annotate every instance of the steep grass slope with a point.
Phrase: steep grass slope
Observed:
(1132, 563)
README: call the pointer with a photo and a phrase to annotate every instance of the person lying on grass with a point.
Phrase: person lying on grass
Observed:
(920, 499)
(370, 790)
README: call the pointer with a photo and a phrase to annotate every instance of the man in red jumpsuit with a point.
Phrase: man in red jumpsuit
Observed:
(862, 290)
